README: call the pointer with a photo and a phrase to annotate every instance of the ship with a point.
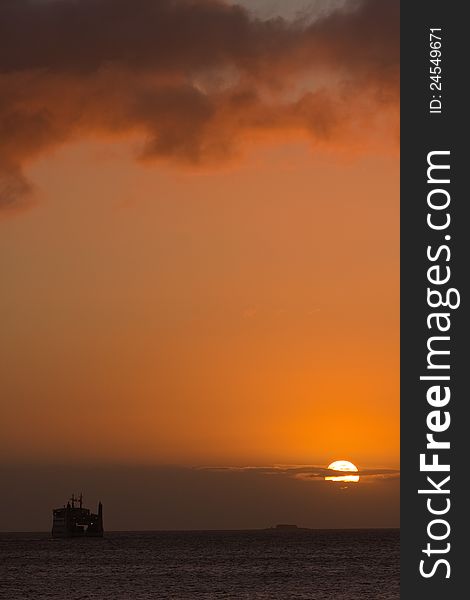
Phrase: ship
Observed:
(73, 520)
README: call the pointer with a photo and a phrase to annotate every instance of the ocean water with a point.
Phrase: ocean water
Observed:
(248, 565)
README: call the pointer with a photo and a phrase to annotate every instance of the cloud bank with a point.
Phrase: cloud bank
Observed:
(310, 472)
(195, 80)
(155, 498)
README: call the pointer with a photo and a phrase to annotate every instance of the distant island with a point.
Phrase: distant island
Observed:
(287, 527)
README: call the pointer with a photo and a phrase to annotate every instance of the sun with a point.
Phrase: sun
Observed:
(345, 467)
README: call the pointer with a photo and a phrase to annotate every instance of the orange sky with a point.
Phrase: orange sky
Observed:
(199, 253)
(246, 314)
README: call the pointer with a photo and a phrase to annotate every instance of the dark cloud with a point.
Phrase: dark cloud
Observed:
(187, 34)
(194, 78)
(15, 190)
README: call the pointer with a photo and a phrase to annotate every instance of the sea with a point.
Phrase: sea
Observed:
(203, 565)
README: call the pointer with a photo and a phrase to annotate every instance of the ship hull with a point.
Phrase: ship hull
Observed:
(75, 534)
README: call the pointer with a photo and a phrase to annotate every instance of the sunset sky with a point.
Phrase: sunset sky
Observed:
(199, 255)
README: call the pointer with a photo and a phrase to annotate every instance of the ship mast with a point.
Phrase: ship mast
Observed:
(73, 499)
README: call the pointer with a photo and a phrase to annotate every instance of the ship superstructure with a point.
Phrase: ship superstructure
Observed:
(72, 520)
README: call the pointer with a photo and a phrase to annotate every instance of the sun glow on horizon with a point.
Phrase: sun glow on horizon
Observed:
(343, 466)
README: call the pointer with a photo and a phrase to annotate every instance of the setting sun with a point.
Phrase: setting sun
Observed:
(343, 466)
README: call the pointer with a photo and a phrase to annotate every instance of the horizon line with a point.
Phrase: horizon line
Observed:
(218, 530)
